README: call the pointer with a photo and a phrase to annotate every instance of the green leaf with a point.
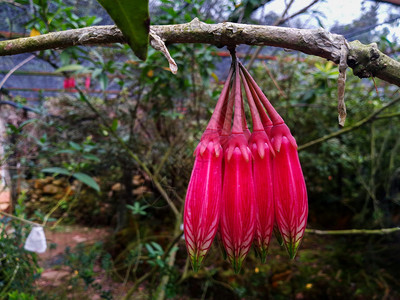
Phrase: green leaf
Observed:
(69, 68)
(150, 249)
(56, 170)
(114, 125)
(103, 81)
(67, 151)
(91, 157)
(132, 18)
(157, 247)
(86, 179)
(13, 128)
(75, 146)
(23, 124)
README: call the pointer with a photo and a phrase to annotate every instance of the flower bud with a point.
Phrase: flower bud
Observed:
(203, 203)
(290, 195)
(238, 207)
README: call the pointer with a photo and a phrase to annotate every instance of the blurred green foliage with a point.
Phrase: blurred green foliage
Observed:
(18, 268)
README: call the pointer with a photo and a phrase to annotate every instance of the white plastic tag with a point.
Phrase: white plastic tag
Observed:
(36, 240)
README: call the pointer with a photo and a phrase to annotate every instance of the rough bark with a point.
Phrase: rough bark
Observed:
(366, 60)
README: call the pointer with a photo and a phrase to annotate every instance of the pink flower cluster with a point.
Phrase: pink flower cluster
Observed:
(244, 183)
(69, 83)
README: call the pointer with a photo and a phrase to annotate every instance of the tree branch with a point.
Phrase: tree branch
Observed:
(19, 106)
(354, 231)
(360, 123)
(366, 60)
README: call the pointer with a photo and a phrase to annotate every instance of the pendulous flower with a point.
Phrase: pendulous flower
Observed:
(238, 215)
(203, 202)
(244, 185)
(262, 153)
(203, 197)
(290, 193)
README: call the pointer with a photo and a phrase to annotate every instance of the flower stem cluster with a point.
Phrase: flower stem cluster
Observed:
(244, 183)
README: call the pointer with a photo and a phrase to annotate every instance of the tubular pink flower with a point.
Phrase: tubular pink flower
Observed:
(203, 198)
(290, 195)
(244, 185)
(218, 116)
(238, 215)
(279, 129)
(214, 127)
(238, 208)
(246, 129)
(275, 117)
(226, 128)
(266, 121)
(262, 165)
(203, 203)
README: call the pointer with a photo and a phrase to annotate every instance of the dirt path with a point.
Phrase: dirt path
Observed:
(61, 280)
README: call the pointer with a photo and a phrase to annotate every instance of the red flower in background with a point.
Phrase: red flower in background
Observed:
(69, 83)
(87, 82)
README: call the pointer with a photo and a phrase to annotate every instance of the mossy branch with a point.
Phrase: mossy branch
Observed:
(366, 60)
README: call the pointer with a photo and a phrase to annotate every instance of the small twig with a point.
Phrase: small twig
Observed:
(75, 197)
(350, 128)
(20, 219)
(131, 154)
(353, 231)
(19, 106)
(376, 88)
(344, 52)
(388, 116)
(153, 270)
(10, 281)
(171, 259)
(59, 203)
(278, 22)
(283, 94)
(304, 9)
(138, 282)
(15, 68)
(158, 44)
(166, 156)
